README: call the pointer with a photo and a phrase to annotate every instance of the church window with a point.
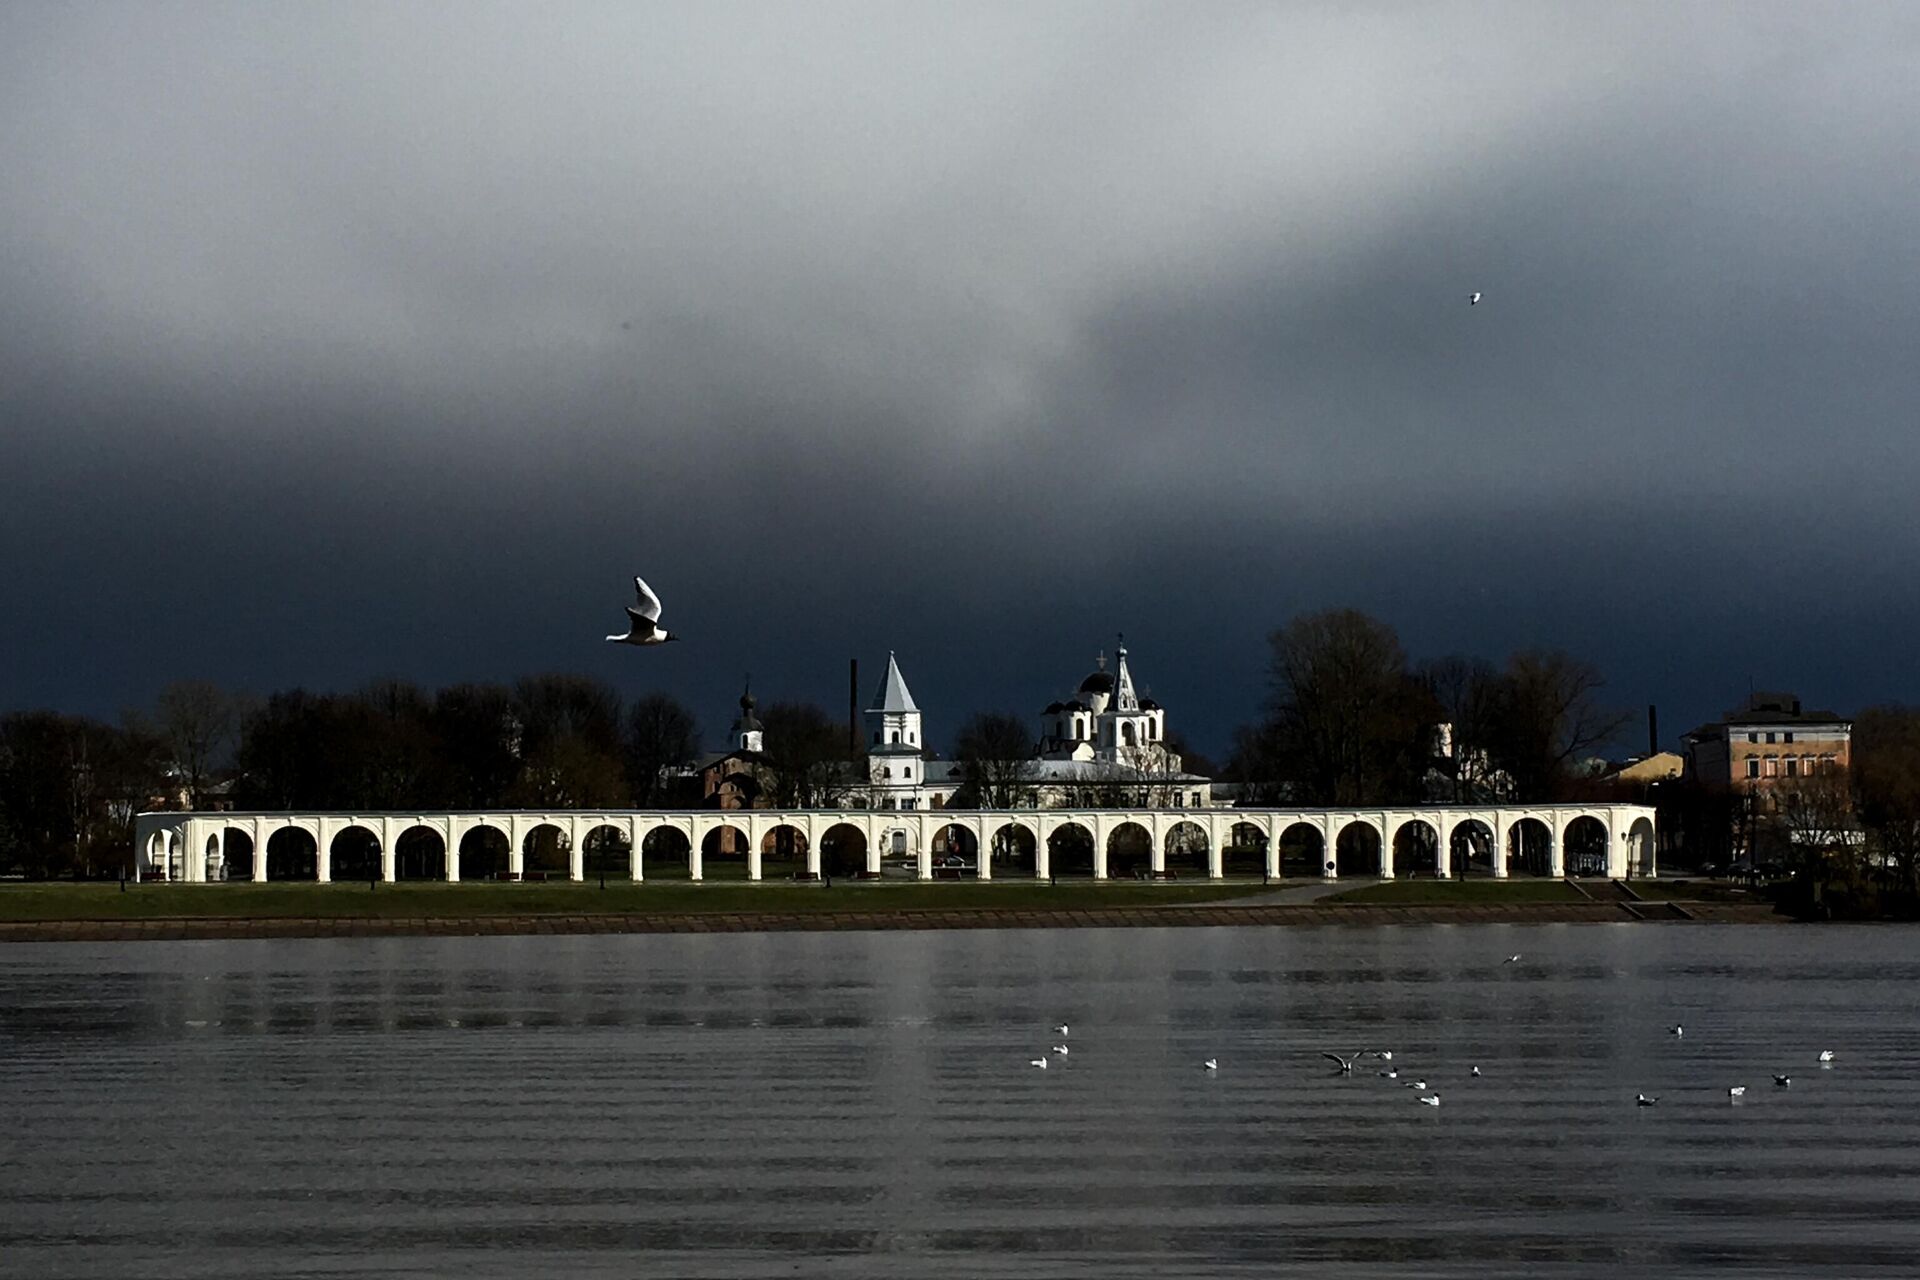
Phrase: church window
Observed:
(896, 737)
(1126, 734)
(886, 771)
(906, 771)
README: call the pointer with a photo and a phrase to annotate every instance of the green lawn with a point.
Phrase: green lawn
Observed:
(67, 901)
(1477, 892)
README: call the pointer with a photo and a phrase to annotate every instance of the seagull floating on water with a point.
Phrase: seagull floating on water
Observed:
(1389, 1074)
(1431, 1100)
(1421, 1085)
(1061, 1049)
(1060, 1030)
(1737, 1091)
(1211, 1064)
(1513, 959)
(1642, 1100)
(643, 619)
(1679, 1030)
(1037, 1062)
(1783, 1081)
(1474, 1072)
(1826, 1055)
(1385, 1055)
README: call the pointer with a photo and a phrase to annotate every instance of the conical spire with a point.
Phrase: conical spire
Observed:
(1124, 698)
(893, 698)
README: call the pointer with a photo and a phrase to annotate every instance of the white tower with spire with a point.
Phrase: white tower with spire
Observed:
(896, 764)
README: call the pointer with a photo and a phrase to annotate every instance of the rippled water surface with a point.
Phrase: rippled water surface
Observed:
(861, 1104)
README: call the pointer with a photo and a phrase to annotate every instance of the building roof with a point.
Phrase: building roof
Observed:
(893, 698)
(1098, 682)
(1767, 711)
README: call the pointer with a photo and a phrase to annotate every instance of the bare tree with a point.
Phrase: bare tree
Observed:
(1548, 719)
(661, 738)
(997, 764)
(1886, 771)
(1349, 724)
(807, 757)
(1466, 696)
(197, 720)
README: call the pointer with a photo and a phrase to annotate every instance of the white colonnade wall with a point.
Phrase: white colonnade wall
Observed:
(192, 846)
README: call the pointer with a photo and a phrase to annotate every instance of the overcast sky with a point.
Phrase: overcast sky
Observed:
(346, 341)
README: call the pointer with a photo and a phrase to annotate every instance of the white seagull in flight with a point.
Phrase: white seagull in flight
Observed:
(1473, 299)
(643, 625)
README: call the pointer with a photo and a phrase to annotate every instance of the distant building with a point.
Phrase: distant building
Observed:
(1766, 744)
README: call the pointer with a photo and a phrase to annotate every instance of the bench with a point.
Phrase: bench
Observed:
(1148, 873)
(806, 875)
(867, 875)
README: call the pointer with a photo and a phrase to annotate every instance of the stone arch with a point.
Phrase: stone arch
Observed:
(1014, 850)
(1356, 849)
(783, 852)
(157, 860)
(293, 854)
(666, 853)
(546, 853)
(1186, 849)
(483, 853)
(1584, 847)
(353, 854)
(1471, 848)
(606, 850)
(420, 853)
(1303, 850)
(1530, 847)
(1640, 848)
(1129, 850)
(238, 854)
(843, 850)
(723, 853)
(1070, 850)
(1246, 851)
(1416, 848)
(955, 852)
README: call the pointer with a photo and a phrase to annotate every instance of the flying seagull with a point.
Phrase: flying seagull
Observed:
(1346, 1064)
(1473, 299)
(643, 626)
(1510, 959)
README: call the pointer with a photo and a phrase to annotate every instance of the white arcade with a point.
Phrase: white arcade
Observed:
(1616, 841)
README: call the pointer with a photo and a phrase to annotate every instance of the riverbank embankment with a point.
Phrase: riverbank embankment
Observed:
(1172, 915)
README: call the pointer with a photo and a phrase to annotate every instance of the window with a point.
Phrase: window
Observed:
(1793, 766)
(886, 771)
(1753, 737)
(906, 771)
(1196, 799)
(1787, 736)
(896, 737)
(1806, 765)
(1769, 737)
(1772, 766)
(909, 804)
(1753, 767)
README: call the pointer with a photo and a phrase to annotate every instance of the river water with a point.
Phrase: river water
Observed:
(757, 1105)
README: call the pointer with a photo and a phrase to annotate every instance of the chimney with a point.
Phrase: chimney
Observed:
(853, 705)
(1653, 730)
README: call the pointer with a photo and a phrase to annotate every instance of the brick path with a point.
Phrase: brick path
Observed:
(983, 918)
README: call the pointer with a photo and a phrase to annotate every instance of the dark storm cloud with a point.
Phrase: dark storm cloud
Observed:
(344, 342)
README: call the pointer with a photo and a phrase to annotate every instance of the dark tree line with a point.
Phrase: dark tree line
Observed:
(1351, 721)
(70, 786)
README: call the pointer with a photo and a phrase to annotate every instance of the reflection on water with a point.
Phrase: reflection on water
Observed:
(861, 1104)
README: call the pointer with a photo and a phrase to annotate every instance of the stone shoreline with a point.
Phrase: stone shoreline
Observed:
(204, 927)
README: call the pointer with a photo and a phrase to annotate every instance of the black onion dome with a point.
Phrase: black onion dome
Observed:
(1098, 682)
(1053, 708)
